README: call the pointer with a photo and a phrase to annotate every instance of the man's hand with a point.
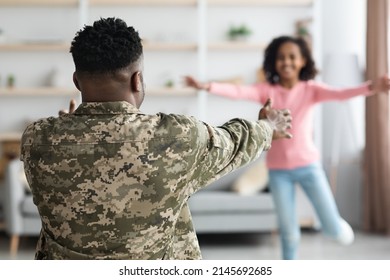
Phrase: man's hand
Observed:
(280, 120)
(72, 107)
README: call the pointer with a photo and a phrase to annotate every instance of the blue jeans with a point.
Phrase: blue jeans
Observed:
(314, 183)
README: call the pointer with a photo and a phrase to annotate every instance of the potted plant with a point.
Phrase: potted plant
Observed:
(2, 36)
(11, 81)
(239, 33)
(169, 83)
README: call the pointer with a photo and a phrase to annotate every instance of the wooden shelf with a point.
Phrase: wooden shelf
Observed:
(150, 46)
(24, 47)
(236, 46)
(39, 91)
(75, 3)
(10, 136)
(165, 91)
(143, 2)
(63, 47)
(50, 91)
(39, 3)
(260, 2)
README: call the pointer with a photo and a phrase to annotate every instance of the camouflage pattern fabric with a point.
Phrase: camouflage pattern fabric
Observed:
(112, 183)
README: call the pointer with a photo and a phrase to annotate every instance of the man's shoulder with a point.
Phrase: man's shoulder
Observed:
(177, 118)
(42, 122)
(182, 126)
(177, 121)
(35, 126)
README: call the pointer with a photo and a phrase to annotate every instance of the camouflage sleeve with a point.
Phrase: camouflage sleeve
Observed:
(30, 133)
(25, 150)
(225, 148)
(26, 142)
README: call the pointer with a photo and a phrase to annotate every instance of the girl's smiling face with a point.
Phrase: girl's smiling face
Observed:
(289, 62)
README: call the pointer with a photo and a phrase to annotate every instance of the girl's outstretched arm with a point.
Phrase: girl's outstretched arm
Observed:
(324, 92)
(254, 92)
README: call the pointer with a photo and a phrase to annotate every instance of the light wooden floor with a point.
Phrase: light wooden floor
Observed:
(314, 246)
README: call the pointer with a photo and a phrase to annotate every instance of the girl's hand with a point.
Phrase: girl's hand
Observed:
(280, 120)
(381, 84)
(191, 82)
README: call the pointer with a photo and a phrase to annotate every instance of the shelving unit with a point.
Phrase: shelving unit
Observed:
(32, 3)
(38, 91)
(148, 46)
(236, 46)
(32, 47)
(53, 92)
(12, 136)
(143, 2)
(261, 2)
(202, 48)
(63, 47)
(199, 51)
(194, 2)
(159, 46)
(178, 91)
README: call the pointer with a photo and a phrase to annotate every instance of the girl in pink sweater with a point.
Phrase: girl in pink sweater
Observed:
(290, 70)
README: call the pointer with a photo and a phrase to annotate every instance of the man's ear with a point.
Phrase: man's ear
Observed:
(136, 82)
(75, 81)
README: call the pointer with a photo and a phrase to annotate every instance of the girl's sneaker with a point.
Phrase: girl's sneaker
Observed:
(346, 236)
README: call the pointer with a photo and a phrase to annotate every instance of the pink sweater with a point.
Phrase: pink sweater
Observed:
(300, 100)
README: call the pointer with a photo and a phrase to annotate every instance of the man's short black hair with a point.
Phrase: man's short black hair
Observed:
(106, 46)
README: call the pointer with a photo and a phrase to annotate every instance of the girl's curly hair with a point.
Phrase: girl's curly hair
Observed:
(106, 46)
(308, 72)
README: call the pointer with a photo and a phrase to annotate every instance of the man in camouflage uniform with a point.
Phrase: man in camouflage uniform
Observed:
(111, 182)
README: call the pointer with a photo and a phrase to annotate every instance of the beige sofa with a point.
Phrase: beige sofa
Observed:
(219, 208)
(21, 216)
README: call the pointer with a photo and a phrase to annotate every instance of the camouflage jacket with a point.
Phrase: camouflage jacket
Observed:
(112, 183)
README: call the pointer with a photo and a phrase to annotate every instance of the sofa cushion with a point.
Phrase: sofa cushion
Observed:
(219, 201)
(253, 180)
(222, 184)
(227, 181)
(238, 222)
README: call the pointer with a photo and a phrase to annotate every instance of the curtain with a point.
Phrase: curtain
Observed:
(376, 190)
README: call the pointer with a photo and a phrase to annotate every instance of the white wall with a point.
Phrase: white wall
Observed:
(342, 23)
(343, 33)
(166, 24)
(266, 24)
